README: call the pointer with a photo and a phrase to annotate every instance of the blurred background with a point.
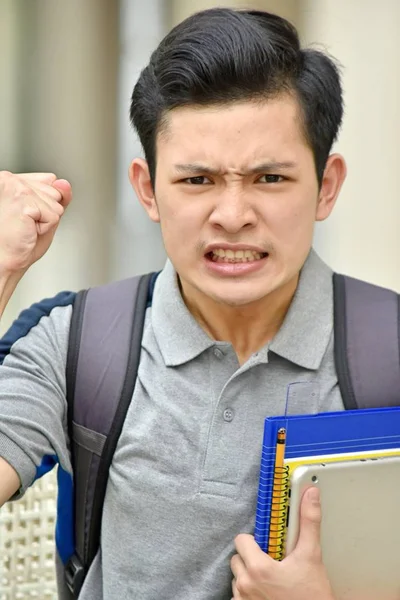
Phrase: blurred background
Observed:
(67, 72)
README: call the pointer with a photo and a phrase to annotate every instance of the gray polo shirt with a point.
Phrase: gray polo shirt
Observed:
(183, 482)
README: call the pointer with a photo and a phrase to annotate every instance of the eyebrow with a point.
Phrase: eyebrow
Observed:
(267, 167)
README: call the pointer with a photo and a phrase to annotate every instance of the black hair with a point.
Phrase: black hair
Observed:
(221, 55)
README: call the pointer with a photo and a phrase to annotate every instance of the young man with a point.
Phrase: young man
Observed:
(237, 124)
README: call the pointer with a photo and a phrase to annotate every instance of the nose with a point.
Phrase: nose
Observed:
(233, 211)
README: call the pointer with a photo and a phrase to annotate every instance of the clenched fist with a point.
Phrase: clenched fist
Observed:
(31, 206)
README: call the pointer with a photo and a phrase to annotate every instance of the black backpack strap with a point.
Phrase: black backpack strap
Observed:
(367, 343)
(102, 363)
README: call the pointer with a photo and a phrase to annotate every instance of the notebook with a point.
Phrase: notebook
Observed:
(322, 437)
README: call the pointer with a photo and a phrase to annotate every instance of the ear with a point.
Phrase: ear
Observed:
(332, 181)
(139, 176)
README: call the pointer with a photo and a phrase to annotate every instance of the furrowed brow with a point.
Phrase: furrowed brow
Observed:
(195, 169)
(267, 167)
(271, 167)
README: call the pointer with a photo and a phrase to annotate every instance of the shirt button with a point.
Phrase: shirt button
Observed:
(218, 353)
(228, 415)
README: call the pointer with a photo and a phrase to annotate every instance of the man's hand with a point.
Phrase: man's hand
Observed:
(299, 576)
(31, 206)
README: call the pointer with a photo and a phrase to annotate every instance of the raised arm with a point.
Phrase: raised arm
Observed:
(31, 206)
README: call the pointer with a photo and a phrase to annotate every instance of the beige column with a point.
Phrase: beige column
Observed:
(9, 117)
(138, 246)
(362, 236)
(68, 65)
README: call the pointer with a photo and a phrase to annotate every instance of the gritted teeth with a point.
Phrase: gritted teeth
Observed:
(236, 255)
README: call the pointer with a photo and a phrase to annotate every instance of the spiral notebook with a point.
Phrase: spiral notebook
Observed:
(294, 440)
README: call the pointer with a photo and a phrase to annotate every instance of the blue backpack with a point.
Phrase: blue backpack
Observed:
(100, 384)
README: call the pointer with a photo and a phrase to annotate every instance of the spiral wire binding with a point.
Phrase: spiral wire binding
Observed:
(277, 529)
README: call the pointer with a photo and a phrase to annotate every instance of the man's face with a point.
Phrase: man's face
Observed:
(237, 197)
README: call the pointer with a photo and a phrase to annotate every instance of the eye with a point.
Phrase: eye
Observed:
(270, 179)
(198, 180)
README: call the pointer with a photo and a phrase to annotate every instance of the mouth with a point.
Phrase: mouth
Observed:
(220, 255)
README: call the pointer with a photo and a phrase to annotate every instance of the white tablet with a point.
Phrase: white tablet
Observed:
(360, 531)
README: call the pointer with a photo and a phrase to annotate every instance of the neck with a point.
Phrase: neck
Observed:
(248, 328)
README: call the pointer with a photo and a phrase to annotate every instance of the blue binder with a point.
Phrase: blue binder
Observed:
(376, 429)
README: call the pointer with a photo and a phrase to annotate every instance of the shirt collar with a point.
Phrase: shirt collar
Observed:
(305, 333)
(179, 336)
(302, 339)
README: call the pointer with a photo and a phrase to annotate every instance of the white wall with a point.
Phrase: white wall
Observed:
(362, 235)
(138, 246)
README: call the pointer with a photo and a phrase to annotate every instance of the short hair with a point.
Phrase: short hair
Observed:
(220, 56)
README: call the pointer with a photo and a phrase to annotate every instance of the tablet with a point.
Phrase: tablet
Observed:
(360, 529)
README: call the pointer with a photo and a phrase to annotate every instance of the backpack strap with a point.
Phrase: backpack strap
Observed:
(367, 343)
(102, 363)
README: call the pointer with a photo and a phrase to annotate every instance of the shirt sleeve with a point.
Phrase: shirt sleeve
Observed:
(33, 408)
